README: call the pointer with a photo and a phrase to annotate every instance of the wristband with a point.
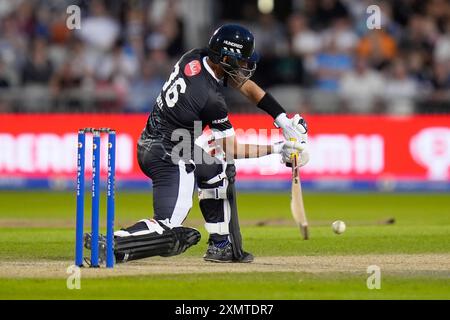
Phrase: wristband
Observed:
(270, 105)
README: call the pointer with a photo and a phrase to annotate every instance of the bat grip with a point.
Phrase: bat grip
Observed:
(294, 155)
(294, 158)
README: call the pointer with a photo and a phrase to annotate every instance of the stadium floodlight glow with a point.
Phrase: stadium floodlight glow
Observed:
(265, 6)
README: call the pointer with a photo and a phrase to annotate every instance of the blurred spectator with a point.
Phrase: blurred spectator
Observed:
(161, 63)
(57, 28)
(400, 89)
(172, 28)
(134, 33)
(270, 37)
(13, 45)
(441, 77)
(283, 65)
(125, 48)
(439, 100)
(421, 36)
(99, 30)
(378, 47)
(442, 48)
(362, 88)
(388, 23)
(119, 66)
(145, 89)
(326, 12)
(329, 65)
(342, 34)
(4, 78)
(166, 32)
(417, 66)
(403, 10)
(42, 22)
(24, 17)
(74, 72)
(38, 68)
(114, 73)
(304, 41)
(437, 10)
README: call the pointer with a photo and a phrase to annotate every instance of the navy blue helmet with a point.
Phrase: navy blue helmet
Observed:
(233, 47)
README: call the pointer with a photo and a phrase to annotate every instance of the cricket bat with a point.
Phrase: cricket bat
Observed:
(297, 206)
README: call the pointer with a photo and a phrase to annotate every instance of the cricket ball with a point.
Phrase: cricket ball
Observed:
(338, 226)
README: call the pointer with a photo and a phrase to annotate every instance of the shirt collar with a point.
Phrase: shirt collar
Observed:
(208, 68)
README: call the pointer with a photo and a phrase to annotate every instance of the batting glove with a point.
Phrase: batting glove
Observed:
(287, 148)
(293, 128)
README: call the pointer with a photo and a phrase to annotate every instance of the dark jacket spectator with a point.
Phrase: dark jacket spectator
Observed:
(38, 68)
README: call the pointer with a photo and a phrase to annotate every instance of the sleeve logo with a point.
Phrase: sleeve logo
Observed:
(192, 68)
(220, 120)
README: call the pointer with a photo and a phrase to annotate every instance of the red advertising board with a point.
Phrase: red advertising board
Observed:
(341, 147)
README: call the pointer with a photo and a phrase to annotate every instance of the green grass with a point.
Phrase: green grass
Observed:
(230, 286)
(38, 226)
(57, 244)
(408, 209)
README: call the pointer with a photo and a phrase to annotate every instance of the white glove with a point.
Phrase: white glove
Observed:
(293, 128)
(287, 148)
(303, 157)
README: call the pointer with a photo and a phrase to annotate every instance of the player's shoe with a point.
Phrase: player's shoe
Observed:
(246, 258)
(87, 240)
(221, 254)
(224, 254)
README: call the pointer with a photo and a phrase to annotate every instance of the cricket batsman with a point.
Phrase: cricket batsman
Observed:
(191, 97)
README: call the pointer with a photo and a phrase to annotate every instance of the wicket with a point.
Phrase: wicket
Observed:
(95, 214)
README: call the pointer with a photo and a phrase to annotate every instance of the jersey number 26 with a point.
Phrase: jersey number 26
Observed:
(179, 85)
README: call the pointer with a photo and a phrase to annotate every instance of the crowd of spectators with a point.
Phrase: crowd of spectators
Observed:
(328, 46)
(125, 49)
(120, 56)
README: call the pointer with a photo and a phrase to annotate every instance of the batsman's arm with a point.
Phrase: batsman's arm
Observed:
(261, 98)
(235, 150)
(294, 127)
(252, 91)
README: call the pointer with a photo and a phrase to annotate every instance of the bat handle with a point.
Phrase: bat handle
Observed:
(294, 155)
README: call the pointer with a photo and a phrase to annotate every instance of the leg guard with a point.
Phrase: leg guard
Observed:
(217, 197)
(156, 240)
(214, 204)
